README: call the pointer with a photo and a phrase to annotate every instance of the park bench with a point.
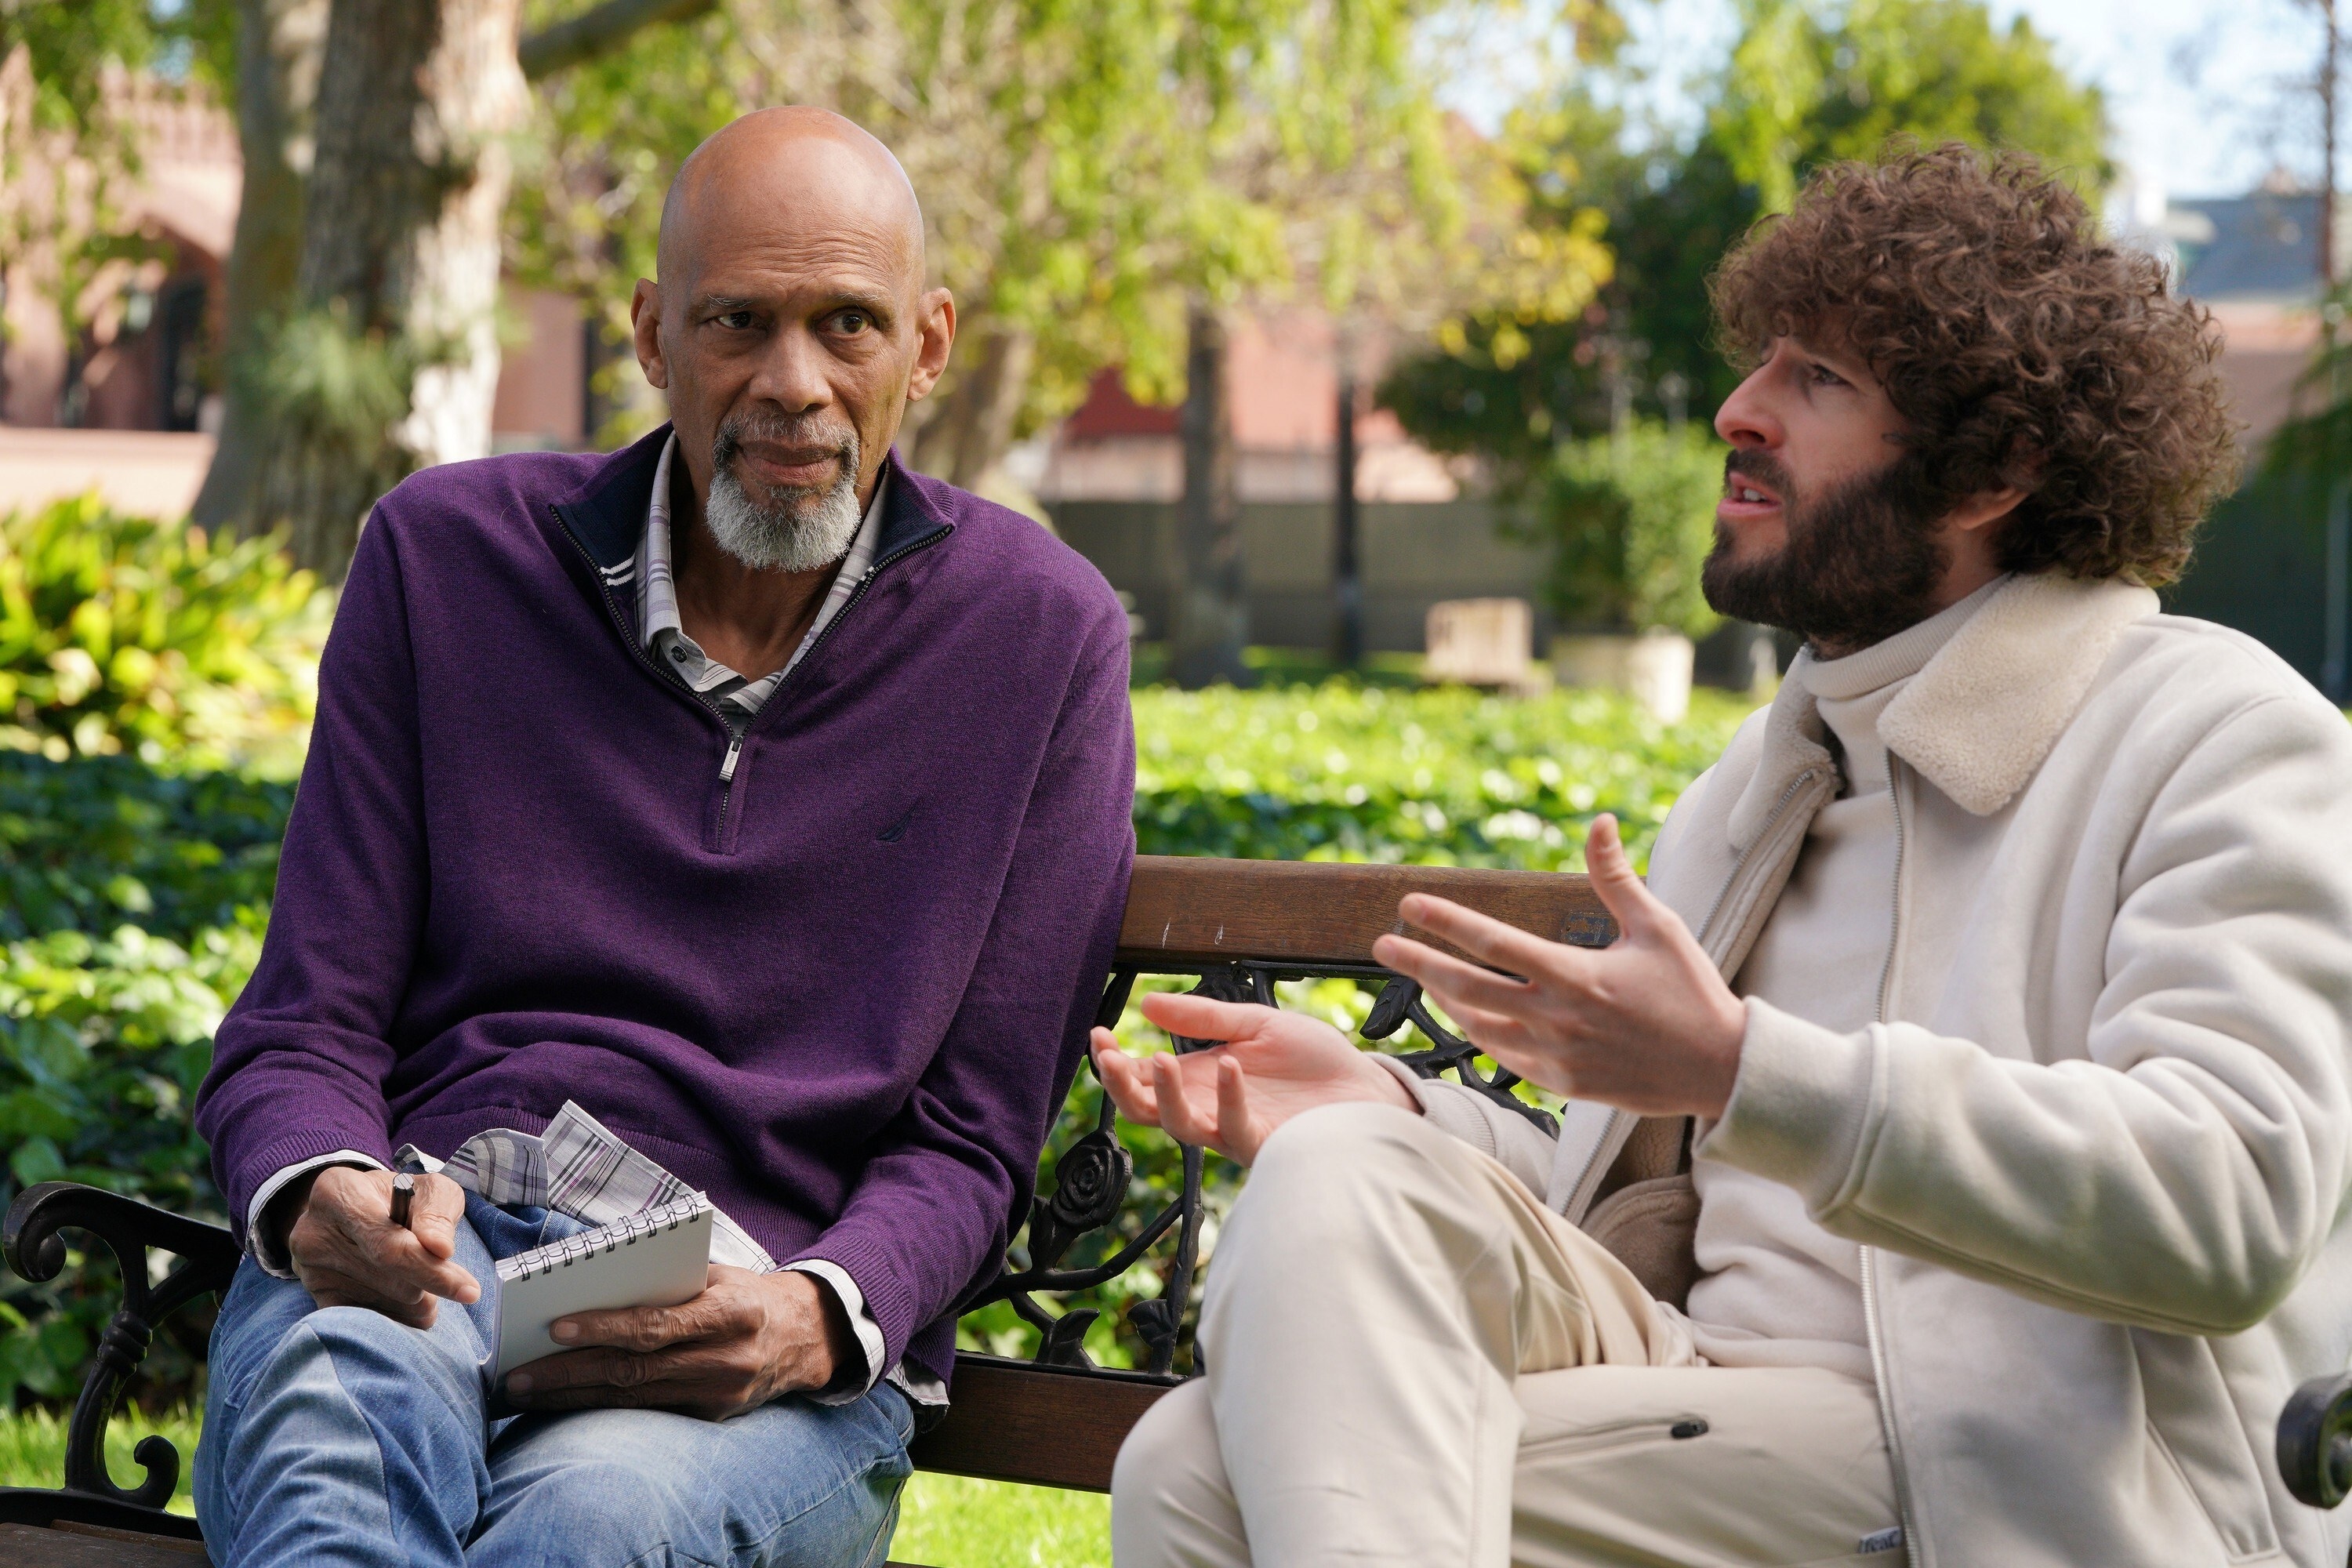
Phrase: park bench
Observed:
(1236, 927)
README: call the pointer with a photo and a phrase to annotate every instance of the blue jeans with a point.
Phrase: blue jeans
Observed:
(335, 1436)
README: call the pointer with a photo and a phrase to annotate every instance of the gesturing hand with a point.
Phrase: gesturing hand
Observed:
(748, 1339)
(1272, 1065)
(1646, 1024)
(348, 1253)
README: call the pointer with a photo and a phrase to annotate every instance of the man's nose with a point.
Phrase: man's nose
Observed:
(793, 373)
(1746, 418)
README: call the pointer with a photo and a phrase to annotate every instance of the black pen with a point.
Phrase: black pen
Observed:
(404, 1191)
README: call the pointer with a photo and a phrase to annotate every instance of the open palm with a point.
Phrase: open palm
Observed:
(1270, 1066)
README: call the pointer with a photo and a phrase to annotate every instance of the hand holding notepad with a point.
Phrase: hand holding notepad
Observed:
(658, 1258)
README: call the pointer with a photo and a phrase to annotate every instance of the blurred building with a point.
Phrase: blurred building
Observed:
(1112, 477)
(128, 400)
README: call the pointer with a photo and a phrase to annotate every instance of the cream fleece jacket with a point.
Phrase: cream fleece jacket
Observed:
(2098, 1155)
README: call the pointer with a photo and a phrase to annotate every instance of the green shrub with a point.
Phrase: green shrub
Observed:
(1629, 518)
(134, 907)
(1438, 776)
(126, 635)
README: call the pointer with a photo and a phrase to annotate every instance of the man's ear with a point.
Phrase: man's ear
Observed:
(1977, 512)
(935, 322)
(645, 325)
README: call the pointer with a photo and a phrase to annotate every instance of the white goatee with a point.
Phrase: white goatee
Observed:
(800, 530)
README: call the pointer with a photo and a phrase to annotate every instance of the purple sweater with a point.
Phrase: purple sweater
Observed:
(843, 994)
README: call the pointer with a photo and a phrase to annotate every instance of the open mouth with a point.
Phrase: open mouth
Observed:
(1746, 497)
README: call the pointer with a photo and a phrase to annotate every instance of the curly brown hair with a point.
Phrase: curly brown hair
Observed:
(2022, 346)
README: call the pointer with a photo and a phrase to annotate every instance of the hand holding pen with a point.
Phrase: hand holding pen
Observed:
(383, 1240)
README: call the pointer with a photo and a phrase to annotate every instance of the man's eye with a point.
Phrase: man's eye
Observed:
(734, 320)
(853, 321)
(1824, 376)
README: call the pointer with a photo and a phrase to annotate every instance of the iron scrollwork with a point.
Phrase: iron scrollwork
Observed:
(36, 1251)
(1092, 1176)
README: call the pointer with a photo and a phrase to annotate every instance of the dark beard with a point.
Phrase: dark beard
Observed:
(1861, 563)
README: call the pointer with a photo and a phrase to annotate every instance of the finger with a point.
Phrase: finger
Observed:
(1451, 979)
(1199, 1018)
(601, 1368)
(1610, 871)
(640, 1329)
(1484, 938)
(433, 1218)
(1178, 1115)
(405, 1258)
(1237, 1129)
(1124, 1080)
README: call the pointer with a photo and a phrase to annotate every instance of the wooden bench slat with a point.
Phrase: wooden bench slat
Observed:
(1191, 910)
(75, 1546)
(1013, 1422)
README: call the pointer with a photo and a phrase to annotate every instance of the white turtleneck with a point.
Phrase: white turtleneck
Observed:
(1775, 1288)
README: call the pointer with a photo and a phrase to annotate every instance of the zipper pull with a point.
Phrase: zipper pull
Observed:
(727, 768)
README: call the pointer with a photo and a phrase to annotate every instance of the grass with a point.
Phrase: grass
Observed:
(945, 1520)
(33, 1449)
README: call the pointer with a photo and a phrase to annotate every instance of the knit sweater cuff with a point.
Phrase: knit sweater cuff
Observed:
(1800, 1105)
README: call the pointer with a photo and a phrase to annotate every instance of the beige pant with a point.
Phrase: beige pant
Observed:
(1412, 1361)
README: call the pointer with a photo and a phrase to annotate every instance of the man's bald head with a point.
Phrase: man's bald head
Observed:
(807, 167)
(791, 328)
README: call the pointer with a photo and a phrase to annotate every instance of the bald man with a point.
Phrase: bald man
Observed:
(740, 813)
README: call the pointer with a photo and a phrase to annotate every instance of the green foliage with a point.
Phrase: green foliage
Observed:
(1808, 81)
(134, 911)
(335, 399)
(993, 1524)
(122, 634)
(1630, 518)
(1442, 776)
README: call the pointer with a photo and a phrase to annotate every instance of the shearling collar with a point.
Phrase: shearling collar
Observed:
(1980, 715)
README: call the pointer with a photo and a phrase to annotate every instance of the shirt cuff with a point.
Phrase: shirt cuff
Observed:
(845, 1390)
(269, 1251)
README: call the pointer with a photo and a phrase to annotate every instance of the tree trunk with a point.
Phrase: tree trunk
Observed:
(1212, 615)
(278, 45)
(400, 243)
(1347, 568)
(971, 427)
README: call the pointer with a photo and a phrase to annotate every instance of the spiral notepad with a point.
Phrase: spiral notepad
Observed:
(656, 1258)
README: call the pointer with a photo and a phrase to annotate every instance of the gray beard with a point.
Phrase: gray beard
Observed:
(802, 530)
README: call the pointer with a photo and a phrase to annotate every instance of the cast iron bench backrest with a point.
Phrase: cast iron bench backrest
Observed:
(1237, 927)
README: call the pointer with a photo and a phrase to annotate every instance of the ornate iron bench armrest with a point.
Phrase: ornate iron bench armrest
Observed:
(36, 1251)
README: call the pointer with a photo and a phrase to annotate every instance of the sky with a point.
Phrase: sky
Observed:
(2205, 95)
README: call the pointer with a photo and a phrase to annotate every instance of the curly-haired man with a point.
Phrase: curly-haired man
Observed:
(1991, 991)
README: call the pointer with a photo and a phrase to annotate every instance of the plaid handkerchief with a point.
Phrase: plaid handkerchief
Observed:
(578, 1167)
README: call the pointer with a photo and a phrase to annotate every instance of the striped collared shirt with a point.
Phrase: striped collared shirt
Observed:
(738, 700)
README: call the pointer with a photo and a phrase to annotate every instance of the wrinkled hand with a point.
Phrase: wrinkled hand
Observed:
(1647, 1024)
(748, 1339)
(348, 1253)
(1272, 1065)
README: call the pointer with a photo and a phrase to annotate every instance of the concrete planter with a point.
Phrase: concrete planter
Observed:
(1653, 668)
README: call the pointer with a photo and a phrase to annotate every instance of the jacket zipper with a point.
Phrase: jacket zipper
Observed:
(1913, 1547)
(1610, 1124)
(734, 737)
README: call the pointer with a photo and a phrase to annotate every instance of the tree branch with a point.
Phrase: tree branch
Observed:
(599, 30)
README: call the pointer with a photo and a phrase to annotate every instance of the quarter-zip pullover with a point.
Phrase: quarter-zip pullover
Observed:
(834, 970)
